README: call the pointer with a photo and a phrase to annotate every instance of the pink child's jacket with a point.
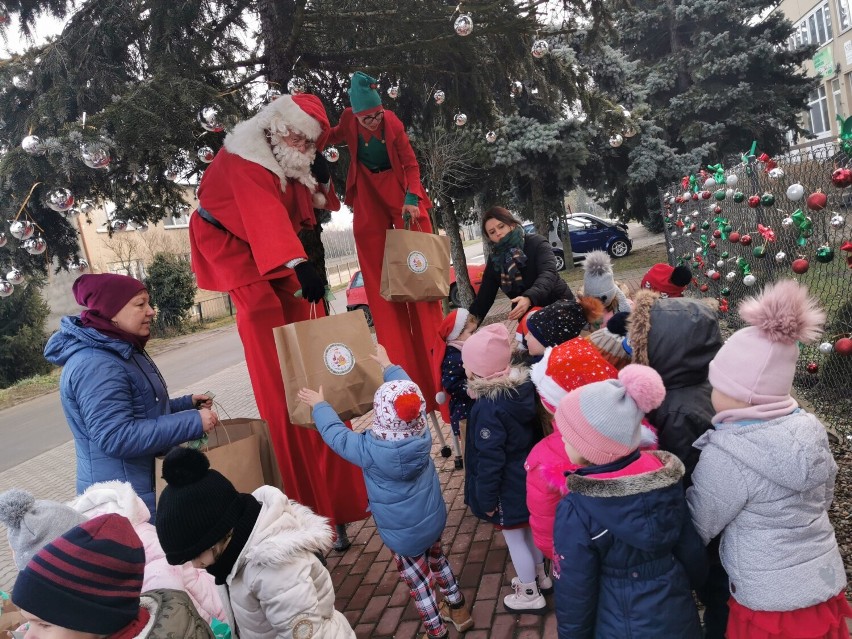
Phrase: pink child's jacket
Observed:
(546, 466)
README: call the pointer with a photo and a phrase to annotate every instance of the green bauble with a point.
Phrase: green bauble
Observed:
(705, 225)
(759, 251)
(824, 254)
(719, 195)
(725, 292)
(728, 228)
(739, 196)
(767, 199)
(725, 255)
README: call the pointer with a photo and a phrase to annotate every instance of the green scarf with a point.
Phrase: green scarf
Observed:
(513, 239)
(508, 258)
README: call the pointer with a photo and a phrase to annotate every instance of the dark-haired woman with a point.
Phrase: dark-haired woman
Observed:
(522, 266)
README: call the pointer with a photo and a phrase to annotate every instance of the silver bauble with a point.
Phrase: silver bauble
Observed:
(35, 246)
(140, 226)
(460, 119)
(171, 174)
(777, 173)
(695, 214)
(86, 207)
(393, 92)
(787, 222)
(491, 137)
(732, 180)
(540, 48)
(206, 154)
(837, 221)
(83, 266)
(749, 280)
(674, 234)
(439, 96)
(709, 184)
(272, 95)
(720, 263)
(3, 240)
(795, 192)
(23, 81)
(731, 276)
(59, 199)
(729, 193)
(679, 210)
(6, 288)
(331, 154)
(210, 120)
(517, 87)
(710, 273)
(616, 140)
(71, 213)
(629, 131)
(671, 249)
(95, 155)
(32, 144)
(118, 225)
(22, 229)
(14, 276)
(687, 195)
(463, 25)
(826, 347)
(296, 86)
(780, 256)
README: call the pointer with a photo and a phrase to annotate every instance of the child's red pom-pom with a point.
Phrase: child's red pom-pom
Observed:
(407, 406)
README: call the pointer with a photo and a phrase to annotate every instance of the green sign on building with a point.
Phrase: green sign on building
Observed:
(824, 62)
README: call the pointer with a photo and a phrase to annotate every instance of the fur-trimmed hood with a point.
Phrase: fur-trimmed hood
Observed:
(248, 138)
(676, 336)
(642, 507)
(284, 529)
(112, 497)
(496, 388)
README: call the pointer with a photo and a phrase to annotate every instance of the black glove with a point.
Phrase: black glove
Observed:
(313, 289)
(320, 169)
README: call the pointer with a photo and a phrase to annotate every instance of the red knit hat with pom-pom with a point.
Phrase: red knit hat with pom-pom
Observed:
(399, 410)
(566, 367)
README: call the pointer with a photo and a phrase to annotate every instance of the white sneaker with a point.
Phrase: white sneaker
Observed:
(527, 599)
(542, 577)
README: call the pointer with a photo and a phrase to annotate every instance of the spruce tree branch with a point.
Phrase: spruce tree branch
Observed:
(231, 17)
(296, 30)
(244, 82)
(230, 66)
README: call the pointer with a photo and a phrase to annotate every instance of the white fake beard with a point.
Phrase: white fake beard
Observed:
(294, 163)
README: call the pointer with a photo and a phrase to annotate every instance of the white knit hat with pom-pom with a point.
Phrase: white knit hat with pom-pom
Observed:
(602, 421)
(756, 364)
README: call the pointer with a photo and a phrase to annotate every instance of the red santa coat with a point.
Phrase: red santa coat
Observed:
(262, 210)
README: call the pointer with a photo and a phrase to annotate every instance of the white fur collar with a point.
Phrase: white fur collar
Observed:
(494, 388)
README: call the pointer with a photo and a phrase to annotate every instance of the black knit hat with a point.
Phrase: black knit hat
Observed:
(197, 509)
(557, 323)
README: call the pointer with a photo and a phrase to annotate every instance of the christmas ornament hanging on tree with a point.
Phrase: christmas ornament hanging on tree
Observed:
(780, 256)
(841, 177)
(800, 266)
(817, 201)
(331, 154)
(795, 192)
(739, 197)
(540, 48)
(206, 154)
(59, 199)
(6, 288)
(210, 120)
(22, 229)
(32, 144)
(812, 368)
(15, 277)
(95, 155)
(777, 173)
(460, 119)
(393, 91)
(732, 181)
(824, 254)
(35, 246)
(3, 240)
(272, 95)
(463, 25)
(629, 131)
(171, 174)
(517, 88)
(140, 226)
(843, 346)
(826, 347)
(439, 96)
(616, 140)
(296, 86)
(80, 266)
(837, 221)
(491, 137)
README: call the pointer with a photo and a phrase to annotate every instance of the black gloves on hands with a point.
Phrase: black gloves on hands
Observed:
(320, 169)
(313, 288)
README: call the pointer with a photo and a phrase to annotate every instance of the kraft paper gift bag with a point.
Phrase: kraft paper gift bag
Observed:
(332, 352)
(416, 266)
(268, 461)
(234, 451)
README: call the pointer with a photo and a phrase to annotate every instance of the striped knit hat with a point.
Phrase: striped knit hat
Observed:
(88, 580)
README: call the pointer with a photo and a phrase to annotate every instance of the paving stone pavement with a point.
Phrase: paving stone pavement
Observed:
(369, 591)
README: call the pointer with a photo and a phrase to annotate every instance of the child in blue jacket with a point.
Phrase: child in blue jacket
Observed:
(402, 488)
(626, 556)
(502, 429)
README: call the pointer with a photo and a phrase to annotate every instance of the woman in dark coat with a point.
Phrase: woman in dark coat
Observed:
(523, 266)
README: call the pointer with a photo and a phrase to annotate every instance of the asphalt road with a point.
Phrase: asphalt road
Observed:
(39, 425)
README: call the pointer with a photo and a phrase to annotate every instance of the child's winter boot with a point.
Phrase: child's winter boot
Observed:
(527, 599)
(542, 577)
(459, 615)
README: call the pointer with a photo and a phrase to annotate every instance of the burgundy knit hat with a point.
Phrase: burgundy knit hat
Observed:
(88, 580)
(105, 293)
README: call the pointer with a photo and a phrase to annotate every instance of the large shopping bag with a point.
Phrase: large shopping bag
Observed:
(415, 267)
(268, 461)
(233, 450)
(332, 352)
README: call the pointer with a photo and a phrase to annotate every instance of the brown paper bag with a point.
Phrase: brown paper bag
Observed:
(268, 461)
(233, 450)
(332, 352)
(415, 267)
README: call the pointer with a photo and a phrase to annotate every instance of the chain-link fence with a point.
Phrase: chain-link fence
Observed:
(766, 220)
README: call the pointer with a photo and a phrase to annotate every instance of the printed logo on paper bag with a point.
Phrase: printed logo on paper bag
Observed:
(339, 358)
(417, 262)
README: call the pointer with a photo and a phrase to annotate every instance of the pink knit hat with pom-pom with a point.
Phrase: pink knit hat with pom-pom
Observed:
(757, 363)
(602, 421)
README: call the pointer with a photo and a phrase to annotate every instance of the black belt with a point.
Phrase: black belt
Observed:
(371, 170)
(207, 217)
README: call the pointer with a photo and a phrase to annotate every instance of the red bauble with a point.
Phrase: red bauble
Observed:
(717, 233)
(713, 244)
(841, 177)
(706, 195)
(717, 209)
(694, 196)
(754, 201)
(812, 367)
(843, 346)
(817, 201)
(734, 237)
(679, 199)
(745, 240)
(800, 266)
(704, 288)
(716, 275)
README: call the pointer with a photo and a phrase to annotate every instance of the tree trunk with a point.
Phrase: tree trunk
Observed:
(567, 249)
(540, 210)
(684, 80)
(451, 226)
(481, 205)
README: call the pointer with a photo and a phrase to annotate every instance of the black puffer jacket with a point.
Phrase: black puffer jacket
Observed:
(542, 283)
(677, 337)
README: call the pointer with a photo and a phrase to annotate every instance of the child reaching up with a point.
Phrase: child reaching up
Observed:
(626, 556)
(403, 490)
(502, 429)
(765, 479)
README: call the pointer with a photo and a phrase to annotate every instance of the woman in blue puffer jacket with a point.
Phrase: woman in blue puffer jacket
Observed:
(114, 398)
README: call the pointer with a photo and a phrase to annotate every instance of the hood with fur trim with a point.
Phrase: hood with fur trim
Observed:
(284, 529)
(499, 387)
(248, 138)
(112, 497)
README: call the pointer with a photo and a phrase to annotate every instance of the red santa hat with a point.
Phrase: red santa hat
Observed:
(566, 367)
(668, 281)
(450, 329)
(522, 329)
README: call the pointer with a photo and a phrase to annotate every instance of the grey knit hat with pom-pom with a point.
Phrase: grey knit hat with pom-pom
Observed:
(33, 523)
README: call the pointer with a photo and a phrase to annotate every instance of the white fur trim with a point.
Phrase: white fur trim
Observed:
(458, 326)
(647, 437)
(286, 109)
(548, 390)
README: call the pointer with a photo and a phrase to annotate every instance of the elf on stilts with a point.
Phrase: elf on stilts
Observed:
(383, 184)
(253, 199)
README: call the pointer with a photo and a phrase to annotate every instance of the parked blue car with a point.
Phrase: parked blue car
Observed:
(588, 233)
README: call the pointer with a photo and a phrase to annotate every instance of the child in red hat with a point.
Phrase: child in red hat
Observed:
(668, 281)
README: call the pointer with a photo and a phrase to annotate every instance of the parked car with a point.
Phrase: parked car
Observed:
(356, 295)
(588, 233)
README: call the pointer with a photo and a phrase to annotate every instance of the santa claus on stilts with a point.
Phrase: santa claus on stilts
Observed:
(253, 199)
(383, 185)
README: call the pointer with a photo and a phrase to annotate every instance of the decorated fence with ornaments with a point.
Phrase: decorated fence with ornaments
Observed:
(762, 219)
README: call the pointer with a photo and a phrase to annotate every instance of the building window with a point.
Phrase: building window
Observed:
(815, 28)
(818, 112)
(843, 12)
(838, 102)
(179, 220)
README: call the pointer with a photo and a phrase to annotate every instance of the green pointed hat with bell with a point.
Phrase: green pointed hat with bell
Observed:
(363, 94)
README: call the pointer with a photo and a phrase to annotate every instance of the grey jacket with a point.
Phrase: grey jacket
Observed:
(768, 485)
